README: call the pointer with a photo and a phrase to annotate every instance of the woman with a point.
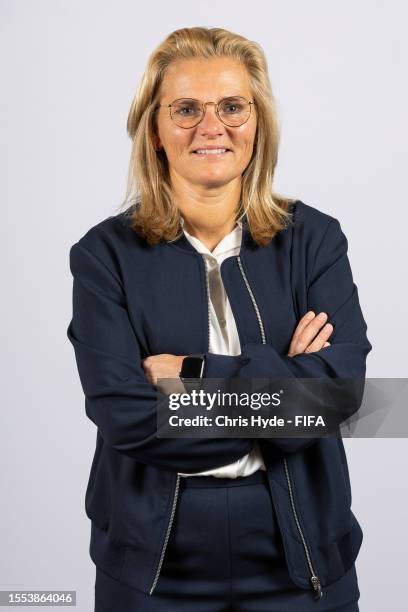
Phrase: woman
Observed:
(212, 274)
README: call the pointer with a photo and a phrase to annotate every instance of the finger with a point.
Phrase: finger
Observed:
(304, 321)
(309, 332)
(320, 339)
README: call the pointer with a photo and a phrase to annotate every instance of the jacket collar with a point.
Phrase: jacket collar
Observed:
(228, 244)
(247, 242)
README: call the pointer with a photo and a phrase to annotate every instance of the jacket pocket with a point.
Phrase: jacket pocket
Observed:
(322, 490)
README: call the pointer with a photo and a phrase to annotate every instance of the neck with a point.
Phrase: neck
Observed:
(209, 214)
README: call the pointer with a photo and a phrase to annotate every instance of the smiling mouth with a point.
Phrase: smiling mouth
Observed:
(215, 152)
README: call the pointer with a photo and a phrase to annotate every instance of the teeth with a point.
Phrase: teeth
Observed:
(210, 150)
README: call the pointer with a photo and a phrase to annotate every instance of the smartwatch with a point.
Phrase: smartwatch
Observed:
(192, 367)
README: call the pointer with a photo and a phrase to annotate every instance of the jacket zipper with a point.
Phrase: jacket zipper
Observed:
(314, 578)
(207, 288)
(177, 485)
(173, 511)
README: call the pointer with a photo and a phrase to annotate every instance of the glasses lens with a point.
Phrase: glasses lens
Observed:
(186, 112)
(234, 110)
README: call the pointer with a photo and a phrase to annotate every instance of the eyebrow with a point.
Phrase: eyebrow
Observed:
(237, 95)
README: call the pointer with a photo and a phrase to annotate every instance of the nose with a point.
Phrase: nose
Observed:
(210, 122)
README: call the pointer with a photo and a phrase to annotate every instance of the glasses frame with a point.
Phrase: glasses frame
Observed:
(204, 109)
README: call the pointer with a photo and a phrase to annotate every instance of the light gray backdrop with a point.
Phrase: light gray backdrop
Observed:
(69, 70)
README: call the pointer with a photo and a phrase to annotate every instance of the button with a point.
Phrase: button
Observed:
(223, 322)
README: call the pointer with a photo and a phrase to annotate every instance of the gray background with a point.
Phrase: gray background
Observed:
(69, 70)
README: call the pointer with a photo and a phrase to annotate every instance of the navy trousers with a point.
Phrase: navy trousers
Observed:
(225, 553)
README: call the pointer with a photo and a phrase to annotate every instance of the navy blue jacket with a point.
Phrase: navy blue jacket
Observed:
(131, 300)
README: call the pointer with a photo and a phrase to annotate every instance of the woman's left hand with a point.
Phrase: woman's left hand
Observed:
(162, 366)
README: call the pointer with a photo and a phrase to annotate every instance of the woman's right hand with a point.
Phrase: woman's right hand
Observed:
(305, 340)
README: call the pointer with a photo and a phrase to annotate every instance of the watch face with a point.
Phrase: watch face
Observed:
(192, 367)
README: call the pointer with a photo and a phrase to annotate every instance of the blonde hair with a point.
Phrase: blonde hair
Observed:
(154, 214)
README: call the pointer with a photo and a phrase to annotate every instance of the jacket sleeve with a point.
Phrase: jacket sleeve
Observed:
(118, 397)
(330, 288)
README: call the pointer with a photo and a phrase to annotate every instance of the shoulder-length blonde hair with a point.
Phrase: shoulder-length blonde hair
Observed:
(154, 214)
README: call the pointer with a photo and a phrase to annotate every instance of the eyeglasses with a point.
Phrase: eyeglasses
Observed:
(189, 112)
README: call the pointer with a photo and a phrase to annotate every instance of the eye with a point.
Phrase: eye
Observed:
(231, 107)
(185, 108)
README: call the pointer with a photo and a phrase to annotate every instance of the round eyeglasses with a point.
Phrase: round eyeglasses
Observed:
(189, 112)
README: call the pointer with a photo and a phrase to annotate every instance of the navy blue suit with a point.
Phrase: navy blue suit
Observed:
(131, 300)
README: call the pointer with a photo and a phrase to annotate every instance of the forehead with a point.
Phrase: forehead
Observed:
(209, 78)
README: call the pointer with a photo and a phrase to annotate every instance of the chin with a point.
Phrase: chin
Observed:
(214, 180)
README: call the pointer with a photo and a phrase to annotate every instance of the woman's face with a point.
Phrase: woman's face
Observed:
(207, 81)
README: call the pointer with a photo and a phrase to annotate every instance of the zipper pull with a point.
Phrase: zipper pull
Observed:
(316, 586)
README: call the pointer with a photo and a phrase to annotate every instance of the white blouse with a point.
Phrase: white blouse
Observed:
(224, 338)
